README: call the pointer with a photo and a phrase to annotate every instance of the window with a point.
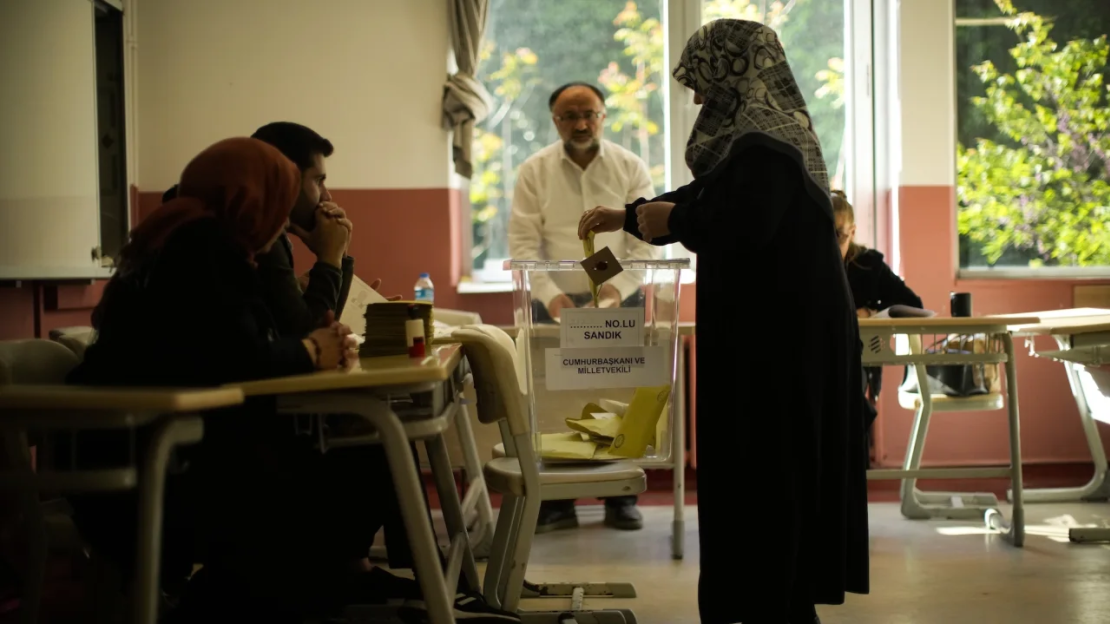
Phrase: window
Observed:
(111, 139)
(532, 47)
(628, 48)
(1033, 136)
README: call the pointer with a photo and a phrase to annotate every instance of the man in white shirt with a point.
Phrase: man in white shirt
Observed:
(553, 188)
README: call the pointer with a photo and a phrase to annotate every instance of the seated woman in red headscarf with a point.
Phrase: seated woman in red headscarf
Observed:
(267, 515)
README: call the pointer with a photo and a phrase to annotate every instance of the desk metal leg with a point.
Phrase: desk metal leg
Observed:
(678, 456)
(1014, 531)
(1098, 488)
(413, 510)
(460, 557)
(1089, 534)
(167, 434)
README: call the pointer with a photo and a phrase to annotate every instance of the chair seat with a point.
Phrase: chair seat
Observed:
(945, 403)
(503, 475)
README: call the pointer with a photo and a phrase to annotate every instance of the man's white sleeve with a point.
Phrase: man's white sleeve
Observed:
(526, 233)
(635, 249)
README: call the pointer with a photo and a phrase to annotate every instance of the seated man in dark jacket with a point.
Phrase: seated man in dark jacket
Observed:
(319, 223)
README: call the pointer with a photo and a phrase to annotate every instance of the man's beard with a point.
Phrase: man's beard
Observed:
(581, 144)
(303, 213)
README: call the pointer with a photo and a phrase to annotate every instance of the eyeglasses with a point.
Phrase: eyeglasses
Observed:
(575, 117)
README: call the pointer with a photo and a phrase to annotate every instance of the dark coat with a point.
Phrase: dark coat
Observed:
(875, 286)
(782, 490)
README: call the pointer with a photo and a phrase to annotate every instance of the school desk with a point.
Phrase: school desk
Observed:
(879, 349)
(173, 416)
(403, 400)
(1082, 336)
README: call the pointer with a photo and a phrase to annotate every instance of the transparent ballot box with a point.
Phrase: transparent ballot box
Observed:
(599, 379)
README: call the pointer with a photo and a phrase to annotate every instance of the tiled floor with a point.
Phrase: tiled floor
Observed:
(930, 572)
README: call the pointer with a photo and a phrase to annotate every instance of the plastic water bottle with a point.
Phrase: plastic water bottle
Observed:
(425, 291)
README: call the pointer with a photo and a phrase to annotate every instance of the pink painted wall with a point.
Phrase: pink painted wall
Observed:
(1050, 430)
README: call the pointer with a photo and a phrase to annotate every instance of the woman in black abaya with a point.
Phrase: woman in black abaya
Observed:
(782, 490)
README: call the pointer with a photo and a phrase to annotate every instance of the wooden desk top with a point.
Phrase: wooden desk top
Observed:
(164, 401)
(375, 372)
(941, 323)
(1066, 322)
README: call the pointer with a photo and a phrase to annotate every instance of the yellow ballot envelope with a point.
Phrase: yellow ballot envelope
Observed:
(637, 428)
(599, 425)
(566, 446)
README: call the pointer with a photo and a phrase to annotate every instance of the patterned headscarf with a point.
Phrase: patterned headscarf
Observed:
(750, 98)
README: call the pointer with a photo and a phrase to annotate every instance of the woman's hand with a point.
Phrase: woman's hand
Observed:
(864, 313)
(652, 218)
(608, 296)
(332, 346)
(600, 219)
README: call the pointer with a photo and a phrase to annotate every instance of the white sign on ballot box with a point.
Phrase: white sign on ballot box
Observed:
(590, 328)
(607, 367)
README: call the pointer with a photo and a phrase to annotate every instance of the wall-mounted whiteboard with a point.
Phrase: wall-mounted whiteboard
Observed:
(49, 193)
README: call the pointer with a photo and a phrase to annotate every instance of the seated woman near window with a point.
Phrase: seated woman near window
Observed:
(875, 287)
(274, 522)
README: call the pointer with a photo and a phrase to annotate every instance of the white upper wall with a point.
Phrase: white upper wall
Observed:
(367, 74)
(928, 99)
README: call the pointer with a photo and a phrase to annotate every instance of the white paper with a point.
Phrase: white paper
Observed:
(592, 328)
(354, 312)
(611, 367)
(904, 311)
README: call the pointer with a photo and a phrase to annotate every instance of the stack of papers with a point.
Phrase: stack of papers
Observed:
(904, 311)
(385, 327)
(360, 296)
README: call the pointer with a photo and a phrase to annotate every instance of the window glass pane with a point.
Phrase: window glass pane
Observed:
(812, 33)
(532, 47)
(1033, 133)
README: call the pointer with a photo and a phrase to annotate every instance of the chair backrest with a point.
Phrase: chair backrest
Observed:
(457, 318)
(30, 362)
(497, 376)
(76, 339)
(35, 362)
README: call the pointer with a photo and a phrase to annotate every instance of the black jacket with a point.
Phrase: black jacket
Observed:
(297, 312)
(875, 286)
(195, 315)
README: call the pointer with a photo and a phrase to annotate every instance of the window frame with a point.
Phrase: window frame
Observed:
(1014, 273)
(681, 18)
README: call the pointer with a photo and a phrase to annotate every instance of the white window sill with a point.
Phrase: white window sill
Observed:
(484, 288)
(1028, 273)
(487, 288)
